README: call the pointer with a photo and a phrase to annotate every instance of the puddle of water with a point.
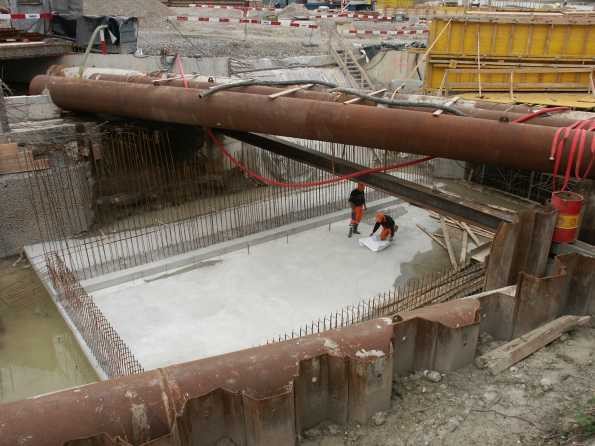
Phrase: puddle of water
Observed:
(38, 353)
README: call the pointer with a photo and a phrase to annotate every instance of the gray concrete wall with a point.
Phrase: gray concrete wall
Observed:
(447, 168)
(33, 206)
(30, 108)
(58, 197)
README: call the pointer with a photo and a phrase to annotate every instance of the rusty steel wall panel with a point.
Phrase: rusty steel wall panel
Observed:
(441, 337)
(497, 315)
(321, 390)
(538, 300)
(580, 291)
(246, 396)
(370, 384)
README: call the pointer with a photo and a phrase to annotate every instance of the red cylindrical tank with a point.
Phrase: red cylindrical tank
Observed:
(569, 205)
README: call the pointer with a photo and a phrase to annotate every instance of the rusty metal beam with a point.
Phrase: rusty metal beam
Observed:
(460, 209)
(515, 146)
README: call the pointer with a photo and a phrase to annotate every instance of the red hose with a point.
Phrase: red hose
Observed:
(272, 182)
(577, 148)
(540, 112)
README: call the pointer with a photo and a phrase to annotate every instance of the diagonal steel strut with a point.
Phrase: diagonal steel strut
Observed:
(457, 208)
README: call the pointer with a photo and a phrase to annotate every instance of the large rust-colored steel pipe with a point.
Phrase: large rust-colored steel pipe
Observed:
(475, 112)
(517, 146)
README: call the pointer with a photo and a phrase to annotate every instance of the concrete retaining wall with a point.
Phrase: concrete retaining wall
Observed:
(31, 212)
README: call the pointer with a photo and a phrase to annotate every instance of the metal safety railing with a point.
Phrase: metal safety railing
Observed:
(431, 288)
(111, 352)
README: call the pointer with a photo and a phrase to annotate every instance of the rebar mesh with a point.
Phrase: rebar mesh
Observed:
(531, 185)
(431, 288)
(108, 348)
(145, 196)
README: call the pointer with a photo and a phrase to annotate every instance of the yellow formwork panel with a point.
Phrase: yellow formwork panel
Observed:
(508, 38)
(572, 100)
(445, 78)
(384, 5)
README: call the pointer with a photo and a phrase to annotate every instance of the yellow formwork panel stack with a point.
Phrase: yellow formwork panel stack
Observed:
(499, 38)
(388, 7)
(505, 52)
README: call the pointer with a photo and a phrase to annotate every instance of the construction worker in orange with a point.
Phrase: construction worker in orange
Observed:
(357, 200)
(388, 226)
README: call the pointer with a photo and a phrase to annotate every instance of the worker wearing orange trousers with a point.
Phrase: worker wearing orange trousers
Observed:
(357, 201)
(388, 226)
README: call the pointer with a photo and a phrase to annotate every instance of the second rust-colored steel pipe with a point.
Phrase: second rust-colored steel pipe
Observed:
(475, 112)
(469, 139)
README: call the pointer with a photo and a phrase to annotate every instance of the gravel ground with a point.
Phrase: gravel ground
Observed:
(534, 402)
(152, 41)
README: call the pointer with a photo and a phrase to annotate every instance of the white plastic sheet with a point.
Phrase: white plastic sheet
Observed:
(374, 243)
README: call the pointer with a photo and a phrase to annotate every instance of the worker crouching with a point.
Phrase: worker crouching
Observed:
(357, 200)
(388, 226)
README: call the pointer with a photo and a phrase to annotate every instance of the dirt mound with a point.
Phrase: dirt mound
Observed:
(293, 10)
(133, 8)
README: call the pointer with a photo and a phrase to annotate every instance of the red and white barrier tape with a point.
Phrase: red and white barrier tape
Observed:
(393, 32)
(238, 8)
(301, 24)
(288, 23)
(350, 15)
(27, 16)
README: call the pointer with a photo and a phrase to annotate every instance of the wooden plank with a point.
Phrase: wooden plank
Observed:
(432, 236)
(8, 149)
(374, 93)
(289, 91)
(21, 162)
(463, 258)
(448, 104)
(518, 349)
(451, 254)
(468, 230)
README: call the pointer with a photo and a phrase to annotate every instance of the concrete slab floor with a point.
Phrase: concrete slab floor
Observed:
(241, 299)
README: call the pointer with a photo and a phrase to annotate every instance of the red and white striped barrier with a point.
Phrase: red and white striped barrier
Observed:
(393, 32)
(288, 23)
(238, 8)
(26, 16)
(349, 15)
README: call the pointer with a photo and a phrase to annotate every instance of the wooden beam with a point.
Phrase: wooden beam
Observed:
(354, 100)
(468, 230)
(451, 253)
(518, 349)
(448, 104)
(289, 91)
(463, 258)
(432, 236)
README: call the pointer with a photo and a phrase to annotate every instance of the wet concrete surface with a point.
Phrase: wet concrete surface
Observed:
(423, 263)
(38, 353)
